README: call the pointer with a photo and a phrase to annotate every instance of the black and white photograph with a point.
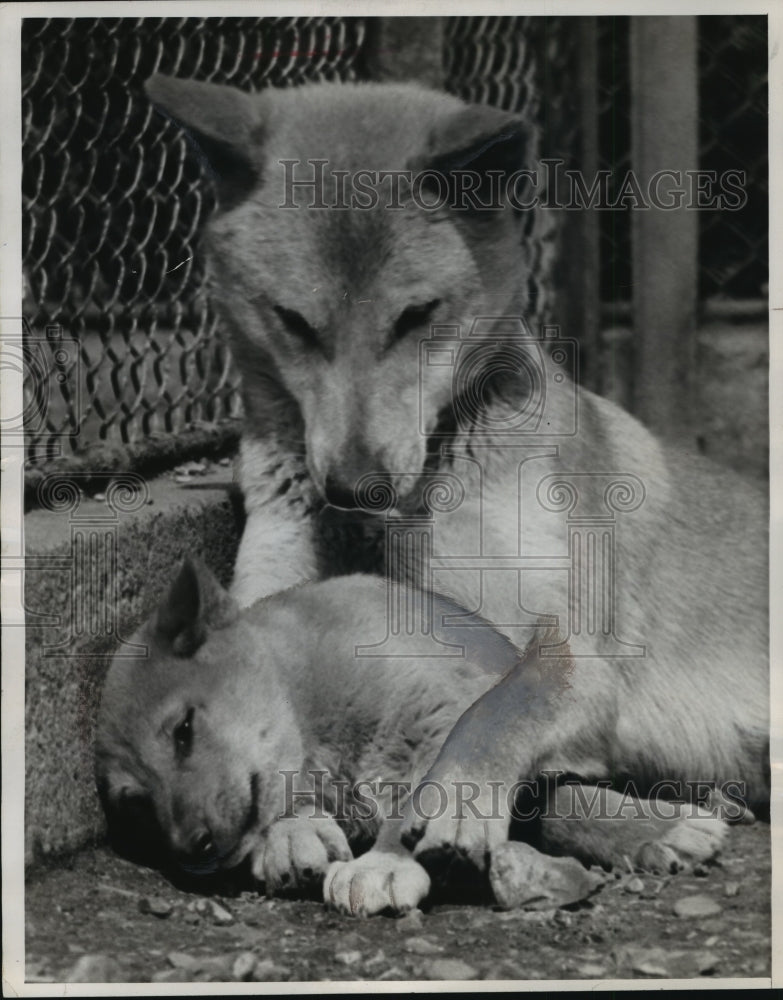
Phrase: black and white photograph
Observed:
(388, 434)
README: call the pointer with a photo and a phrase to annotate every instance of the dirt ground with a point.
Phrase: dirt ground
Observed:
(104, 919)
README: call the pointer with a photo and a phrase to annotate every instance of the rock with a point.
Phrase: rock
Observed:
(701, 871)
(168, 976)
(377, 959)
(219, 914)
(217, 969)
(267, 971)
(348, 957)
(94, 969)
(731, 889)
(390, 974)
(412, 920)
(647, 961)
(155, 905)
(243, 966)
(351, 941)
(706, 963)
(191, 917)
(421, 946)
(450, 968)
(590, 971)
(696, 906)
(650, 968)
(634, 885)
(181, 960)
(521, 876)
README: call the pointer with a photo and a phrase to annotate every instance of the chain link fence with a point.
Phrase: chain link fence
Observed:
(129, 352)
(114, 199)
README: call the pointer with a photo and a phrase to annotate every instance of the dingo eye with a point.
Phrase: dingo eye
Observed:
(183, 734)
(298, 326)
(412, 318)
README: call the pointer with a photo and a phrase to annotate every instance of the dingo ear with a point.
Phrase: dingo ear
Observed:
(223, 122)
(195, 603)
(478, 139)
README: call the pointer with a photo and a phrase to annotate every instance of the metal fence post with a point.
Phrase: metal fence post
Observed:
(664, 136)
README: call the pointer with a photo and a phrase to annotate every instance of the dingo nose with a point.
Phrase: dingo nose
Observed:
(199, 849)
(338, 494)
(202, 846)
(372, 487)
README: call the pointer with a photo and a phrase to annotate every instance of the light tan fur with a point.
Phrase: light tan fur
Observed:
(677, 688)
(278, 694)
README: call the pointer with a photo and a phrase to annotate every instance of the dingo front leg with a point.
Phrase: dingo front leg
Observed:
(536, 717)
(277, 550)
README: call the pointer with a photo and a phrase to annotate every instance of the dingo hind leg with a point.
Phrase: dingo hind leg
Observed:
(601, 826)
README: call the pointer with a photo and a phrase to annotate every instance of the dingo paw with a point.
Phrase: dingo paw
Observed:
(375, 882)
(468, 827)
(297, 852)
(690, 840)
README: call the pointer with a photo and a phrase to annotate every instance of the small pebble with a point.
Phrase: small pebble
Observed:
(650, 969)
(224, 462)
(94, 969)
(706, 963)
(411, 921)
(267, 971)
(348, 957)
(590, 971)
(167, 976)
(220, 915)
(181, 960)
(421, 946)
(450, 968)
(731, 889)
(390, 974)
(155, 905)
(696, 906)
(243, 966)
(634, 885)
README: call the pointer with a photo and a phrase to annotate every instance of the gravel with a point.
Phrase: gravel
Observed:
(84, 925)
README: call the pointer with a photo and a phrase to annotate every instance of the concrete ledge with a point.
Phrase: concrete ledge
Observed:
(96, 568)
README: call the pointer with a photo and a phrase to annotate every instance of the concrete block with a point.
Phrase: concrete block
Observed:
(95, 571)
